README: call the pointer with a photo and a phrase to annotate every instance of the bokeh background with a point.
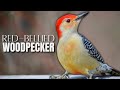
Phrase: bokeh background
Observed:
(101, 27)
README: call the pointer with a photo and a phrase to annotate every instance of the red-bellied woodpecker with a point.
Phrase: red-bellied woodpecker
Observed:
(75, 52)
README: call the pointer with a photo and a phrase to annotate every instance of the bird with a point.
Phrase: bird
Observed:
(77, 54)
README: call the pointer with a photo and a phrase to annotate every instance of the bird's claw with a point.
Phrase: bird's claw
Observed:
(53, 77)
(59, 77)
(65, 76)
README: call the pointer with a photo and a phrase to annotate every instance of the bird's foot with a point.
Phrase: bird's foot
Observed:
(91, 73)
(90, 77)
(64, 76)
(53, 77)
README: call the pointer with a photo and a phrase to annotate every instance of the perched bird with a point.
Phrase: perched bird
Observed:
(75, 52)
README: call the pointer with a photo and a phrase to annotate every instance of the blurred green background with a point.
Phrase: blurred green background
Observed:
(101, 27)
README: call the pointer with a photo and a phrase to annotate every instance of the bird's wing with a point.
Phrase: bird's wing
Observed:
(92, 50)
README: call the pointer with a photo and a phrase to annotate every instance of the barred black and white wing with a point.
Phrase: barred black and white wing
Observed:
(92, 50)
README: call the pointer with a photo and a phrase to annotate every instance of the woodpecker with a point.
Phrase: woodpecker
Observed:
(75, 52)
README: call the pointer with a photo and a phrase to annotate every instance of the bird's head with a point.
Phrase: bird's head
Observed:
(68, 23)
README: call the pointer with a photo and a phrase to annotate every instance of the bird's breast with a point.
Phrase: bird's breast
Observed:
(69, 46)
(73, 56)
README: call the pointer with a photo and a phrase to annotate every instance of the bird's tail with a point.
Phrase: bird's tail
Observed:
(114, 72)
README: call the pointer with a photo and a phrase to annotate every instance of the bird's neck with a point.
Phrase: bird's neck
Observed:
(68, 34)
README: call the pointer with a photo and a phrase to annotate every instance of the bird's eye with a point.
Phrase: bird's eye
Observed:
(68, 20)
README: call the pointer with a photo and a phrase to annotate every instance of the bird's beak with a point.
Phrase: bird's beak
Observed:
(82, 15)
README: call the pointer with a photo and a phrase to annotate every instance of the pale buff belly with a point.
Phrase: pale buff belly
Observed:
(74, 57)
